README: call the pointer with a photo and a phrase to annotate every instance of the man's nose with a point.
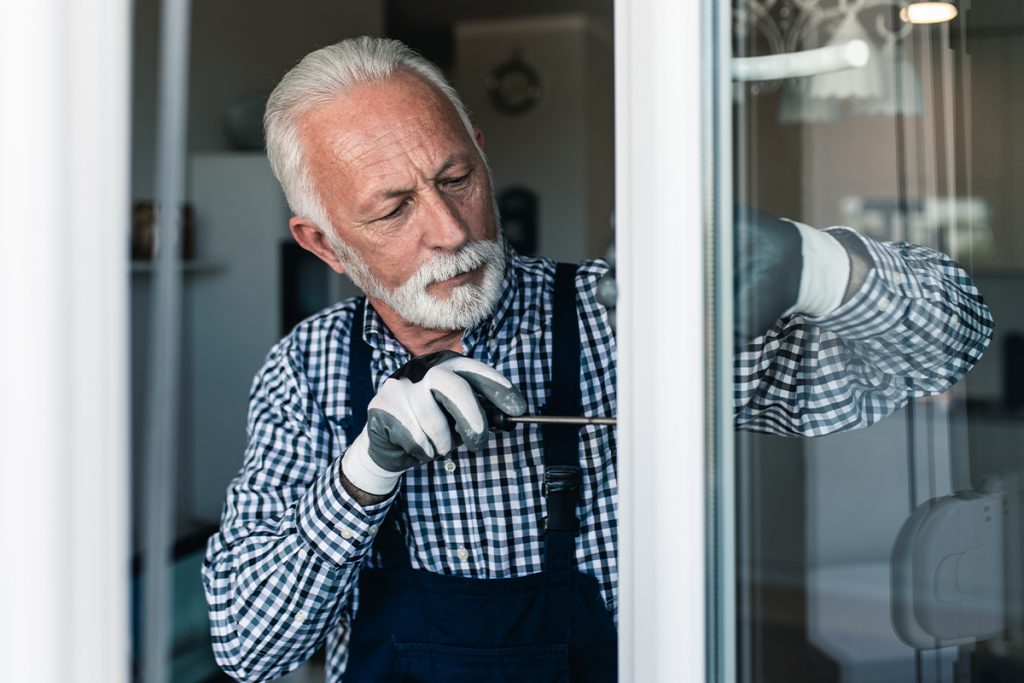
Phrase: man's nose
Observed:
(445, 228)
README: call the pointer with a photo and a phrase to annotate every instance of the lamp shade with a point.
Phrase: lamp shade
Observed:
(928, 12)
(860, 83)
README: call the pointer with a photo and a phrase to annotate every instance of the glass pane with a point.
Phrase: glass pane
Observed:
(538, 80)
(878, 458)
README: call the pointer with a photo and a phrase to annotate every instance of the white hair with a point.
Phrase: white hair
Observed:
(320, 77)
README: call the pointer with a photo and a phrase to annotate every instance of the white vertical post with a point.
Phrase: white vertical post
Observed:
(721, 448)
(64, 219)
(662, 358)
(164, 390)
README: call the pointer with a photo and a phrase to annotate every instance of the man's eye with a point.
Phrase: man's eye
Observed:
(457, 182)
(399, 210)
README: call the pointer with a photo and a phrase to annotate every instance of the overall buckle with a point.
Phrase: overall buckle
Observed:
(561, 489)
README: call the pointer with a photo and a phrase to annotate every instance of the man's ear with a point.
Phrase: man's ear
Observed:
(309, 237)
(478, 135)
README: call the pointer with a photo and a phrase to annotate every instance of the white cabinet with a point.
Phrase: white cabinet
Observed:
(230, 318)
(231, 310)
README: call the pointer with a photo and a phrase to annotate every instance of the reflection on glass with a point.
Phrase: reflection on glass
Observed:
(883, 543)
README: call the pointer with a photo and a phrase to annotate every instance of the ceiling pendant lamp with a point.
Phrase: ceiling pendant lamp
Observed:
(928, 12)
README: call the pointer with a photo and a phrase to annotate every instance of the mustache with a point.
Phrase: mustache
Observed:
(446, 265)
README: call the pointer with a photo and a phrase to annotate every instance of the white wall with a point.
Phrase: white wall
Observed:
(238, 47)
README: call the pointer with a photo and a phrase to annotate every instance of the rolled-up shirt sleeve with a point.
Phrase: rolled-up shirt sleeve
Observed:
(280, 573)
(914, 328)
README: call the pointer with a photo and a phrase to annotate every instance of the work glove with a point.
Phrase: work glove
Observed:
(423, 412)
(766, 271)
(780, 268)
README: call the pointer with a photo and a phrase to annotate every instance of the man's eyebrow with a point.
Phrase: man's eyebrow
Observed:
(389, 194)
(452, 160)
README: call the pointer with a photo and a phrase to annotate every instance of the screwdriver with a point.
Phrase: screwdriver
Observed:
(499, 420)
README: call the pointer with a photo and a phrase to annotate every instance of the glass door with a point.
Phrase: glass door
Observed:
(866, 517)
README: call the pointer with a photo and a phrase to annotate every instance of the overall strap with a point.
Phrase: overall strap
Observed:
(562, 474)
(360, 382)
(360, 391)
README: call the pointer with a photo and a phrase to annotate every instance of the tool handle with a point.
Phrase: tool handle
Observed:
(499, 422)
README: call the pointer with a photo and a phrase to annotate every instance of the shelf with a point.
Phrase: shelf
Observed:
(197, 267)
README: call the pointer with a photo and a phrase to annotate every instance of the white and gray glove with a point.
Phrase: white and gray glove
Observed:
(422, 412)
(781, 267)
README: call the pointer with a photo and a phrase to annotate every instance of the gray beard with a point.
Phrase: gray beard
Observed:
(465, 306)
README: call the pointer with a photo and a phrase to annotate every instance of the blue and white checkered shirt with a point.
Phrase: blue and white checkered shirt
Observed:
(281, 574)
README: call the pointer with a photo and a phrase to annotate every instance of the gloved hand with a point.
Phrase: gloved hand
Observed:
(780, 268)
(767, 262)
(411, 419)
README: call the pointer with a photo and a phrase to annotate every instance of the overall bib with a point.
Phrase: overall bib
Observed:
(550, 627)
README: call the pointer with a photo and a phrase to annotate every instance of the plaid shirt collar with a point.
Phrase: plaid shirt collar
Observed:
(499, 325)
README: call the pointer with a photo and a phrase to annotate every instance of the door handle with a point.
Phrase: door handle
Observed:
(851, 55)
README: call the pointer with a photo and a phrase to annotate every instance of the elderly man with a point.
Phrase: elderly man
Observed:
(377, 511)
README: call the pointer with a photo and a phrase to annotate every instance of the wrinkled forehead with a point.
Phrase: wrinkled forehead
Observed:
(384, 127)
(370, 114)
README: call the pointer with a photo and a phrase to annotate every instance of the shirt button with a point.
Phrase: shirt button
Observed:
(450, 466)
(954, 320)
(883, 305)
(492, 344)
(897, 278)
(300, 618)
(462, 554)
(374, 529)
(346, 533)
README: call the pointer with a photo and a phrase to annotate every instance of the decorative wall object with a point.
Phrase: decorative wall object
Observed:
(143, 236)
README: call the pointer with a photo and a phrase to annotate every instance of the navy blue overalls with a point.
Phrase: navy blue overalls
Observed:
(551, 627)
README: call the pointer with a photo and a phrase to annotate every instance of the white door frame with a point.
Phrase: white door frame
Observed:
(662, 368)
(64, 218)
